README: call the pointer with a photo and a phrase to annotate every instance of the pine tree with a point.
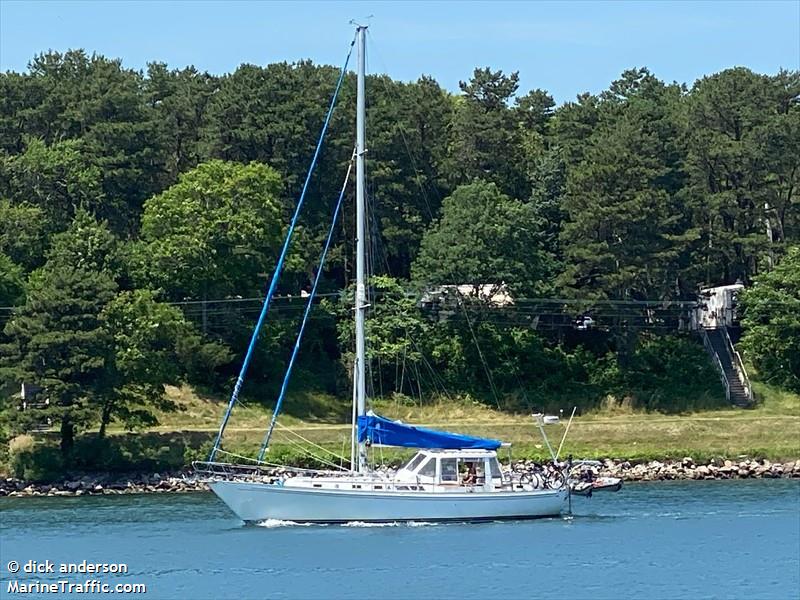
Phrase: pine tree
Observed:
(626, 233)
(57, 341)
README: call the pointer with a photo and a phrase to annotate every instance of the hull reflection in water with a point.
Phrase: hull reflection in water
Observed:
(258, 502)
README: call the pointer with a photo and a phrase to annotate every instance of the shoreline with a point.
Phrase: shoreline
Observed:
(108, 484)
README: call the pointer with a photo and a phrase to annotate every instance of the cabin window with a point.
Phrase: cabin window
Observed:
(429, 470)
(414, 463)
(449, 469)
(472, 471)
(378, 487)
(495, 467)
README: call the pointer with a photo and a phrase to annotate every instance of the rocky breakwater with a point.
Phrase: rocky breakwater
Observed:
(155, 483)
(96, 485)
(686, 469)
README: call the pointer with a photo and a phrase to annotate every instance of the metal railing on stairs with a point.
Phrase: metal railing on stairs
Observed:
(717, 363)
(738, 365)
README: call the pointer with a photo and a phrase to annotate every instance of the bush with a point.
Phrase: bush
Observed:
(771, 324)
(201, 453)
(131, 452)
(33, 461)
(665, 373)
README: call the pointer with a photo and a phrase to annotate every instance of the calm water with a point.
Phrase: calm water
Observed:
(660, 540)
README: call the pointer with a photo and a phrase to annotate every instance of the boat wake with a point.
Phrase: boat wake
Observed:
(275, 523)
(272, 523)
(389, 524)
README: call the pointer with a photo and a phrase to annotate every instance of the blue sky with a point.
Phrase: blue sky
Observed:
(563, 47)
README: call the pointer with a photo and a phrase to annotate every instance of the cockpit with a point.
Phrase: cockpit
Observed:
(453, 468)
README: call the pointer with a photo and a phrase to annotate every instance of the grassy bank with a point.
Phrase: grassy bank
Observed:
(770, 430)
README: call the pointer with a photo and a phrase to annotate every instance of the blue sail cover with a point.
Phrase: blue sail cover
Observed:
(378, 430)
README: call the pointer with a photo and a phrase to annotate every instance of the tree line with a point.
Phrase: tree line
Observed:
(139, 210)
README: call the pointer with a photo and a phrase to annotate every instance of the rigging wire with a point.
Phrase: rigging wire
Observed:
(391, 98)
(276, 465)
(279, 267)
(434, 375)
(288, 430)
(480, 353)
(307, 452)
(309, 304)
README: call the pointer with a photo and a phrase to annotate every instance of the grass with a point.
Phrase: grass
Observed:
(770, 430)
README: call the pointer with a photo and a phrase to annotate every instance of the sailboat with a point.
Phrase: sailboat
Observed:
(452, 477)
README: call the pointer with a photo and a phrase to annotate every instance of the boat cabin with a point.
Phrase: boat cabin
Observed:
(456, 468)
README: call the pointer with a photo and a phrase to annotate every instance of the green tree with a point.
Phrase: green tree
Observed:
(396, 330)
(483, 237)
(11, 282)
(273, 115)
(213, 234)
(87, 245)
(56, 340)
(57, 179)
(485, 136)
(143, 357)
(96, 104)
(625, 235)
(771, 323)
(178, 101)
(23, 233)
(407, 123)
(743, 164)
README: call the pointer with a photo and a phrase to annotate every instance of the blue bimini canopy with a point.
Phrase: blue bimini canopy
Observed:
(378, 430)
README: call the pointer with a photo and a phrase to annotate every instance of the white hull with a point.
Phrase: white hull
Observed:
(260, 502)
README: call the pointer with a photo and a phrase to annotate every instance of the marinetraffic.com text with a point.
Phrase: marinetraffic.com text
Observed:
(50, 583)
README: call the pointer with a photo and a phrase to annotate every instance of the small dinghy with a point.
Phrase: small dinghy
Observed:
(586, 482)
(600, 484)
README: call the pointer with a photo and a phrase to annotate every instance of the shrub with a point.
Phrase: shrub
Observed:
(33, 461)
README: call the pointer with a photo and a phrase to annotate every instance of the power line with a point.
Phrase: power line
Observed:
(517, 304)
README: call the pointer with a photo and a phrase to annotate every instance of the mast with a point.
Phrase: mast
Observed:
(359, 382)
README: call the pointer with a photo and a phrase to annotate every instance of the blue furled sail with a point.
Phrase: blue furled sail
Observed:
(379, 430)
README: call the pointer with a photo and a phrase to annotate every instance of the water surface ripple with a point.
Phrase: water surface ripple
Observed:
(737, 539)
